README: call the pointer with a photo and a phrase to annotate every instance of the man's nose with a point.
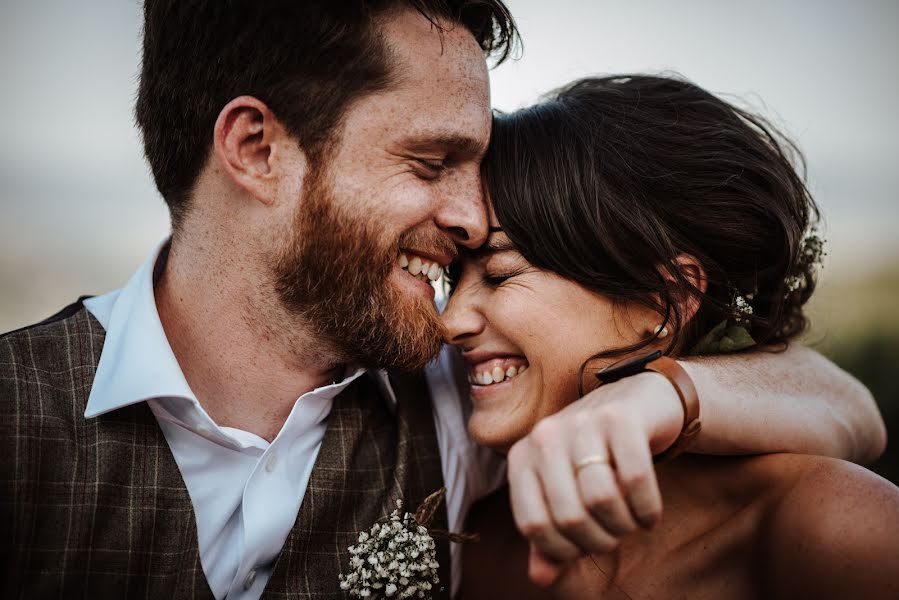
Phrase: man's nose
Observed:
(463, 212)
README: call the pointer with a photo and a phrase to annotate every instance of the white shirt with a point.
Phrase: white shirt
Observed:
(246, 492)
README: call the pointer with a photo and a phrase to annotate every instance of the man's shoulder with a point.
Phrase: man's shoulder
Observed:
(54, 320)
(66, 341)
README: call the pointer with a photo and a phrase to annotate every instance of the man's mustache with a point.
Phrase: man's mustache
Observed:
(431, 243)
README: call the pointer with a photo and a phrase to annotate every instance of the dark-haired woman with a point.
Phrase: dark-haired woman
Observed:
(635, 215)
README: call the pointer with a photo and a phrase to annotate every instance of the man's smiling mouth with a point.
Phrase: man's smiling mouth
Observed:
(423, 268)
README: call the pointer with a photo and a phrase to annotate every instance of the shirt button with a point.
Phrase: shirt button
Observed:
(203, 429)
(271, 462)
(251, 578)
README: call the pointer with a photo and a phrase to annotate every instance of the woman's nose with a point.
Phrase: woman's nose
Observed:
(461, 318)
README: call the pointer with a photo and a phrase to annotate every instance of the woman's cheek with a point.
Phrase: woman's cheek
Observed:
(560, 391)
(500, 429)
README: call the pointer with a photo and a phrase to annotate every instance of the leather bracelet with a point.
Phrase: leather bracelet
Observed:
(689, 399)
(683, 385)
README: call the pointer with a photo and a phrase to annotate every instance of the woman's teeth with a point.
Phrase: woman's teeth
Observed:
(495, 375)
(420, 267)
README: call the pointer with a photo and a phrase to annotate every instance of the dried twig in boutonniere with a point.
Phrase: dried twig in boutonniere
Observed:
(397, 557)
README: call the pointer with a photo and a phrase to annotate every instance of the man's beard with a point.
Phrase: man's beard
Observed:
(335, 274)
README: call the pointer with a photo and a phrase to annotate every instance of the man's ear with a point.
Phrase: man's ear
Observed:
(246, 142)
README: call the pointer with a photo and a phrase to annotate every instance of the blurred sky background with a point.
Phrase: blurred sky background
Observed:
(79, 212)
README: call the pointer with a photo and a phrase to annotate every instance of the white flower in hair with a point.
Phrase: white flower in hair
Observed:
(742, 305)
(811, 256)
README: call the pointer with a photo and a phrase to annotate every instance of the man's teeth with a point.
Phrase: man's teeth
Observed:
(420, 267)
(497, 375)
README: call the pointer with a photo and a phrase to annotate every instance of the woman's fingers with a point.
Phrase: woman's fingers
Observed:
(541, 570)
(636, 474)
(580, 480)
(569, 512)
(602, 497)
(529, 508)
(598, 484)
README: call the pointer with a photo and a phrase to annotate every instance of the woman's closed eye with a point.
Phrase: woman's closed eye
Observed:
(497, 278)
(503, 265)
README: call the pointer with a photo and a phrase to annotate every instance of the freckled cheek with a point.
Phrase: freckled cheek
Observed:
(511, 311)
(397, 205)
(464, 182)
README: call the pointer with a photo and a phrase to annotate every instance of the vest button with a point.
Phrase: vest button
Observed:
(250, 580)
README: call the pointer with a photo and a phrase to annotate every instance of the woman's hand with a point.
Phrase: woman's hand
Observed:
(584, 476)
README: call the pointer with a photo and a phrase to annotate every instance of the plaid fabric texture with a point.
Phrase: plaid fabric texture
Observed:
(369, 459)
(96, 508)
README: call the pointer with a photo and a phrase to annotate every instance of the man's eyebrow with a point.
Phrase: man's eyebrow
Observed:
(451, 142)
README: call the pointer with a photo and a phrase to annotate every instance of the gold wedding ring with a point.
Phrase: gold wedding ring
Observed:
(592, 459)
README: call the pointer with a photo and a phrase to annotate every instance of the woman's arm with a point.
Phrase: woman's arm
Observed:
(792, 401)
(761, 402)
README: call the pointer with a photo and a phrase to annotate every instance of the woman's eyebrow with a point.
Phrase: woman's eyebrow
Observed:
(493, 246)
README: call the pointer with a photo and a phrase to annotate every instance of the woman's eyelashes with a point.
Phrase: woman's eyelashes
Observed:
(496, 279)
(501, 266)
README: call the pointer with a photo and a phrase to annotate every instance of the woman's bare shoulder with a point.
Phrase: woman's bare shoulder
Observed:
(833, 533)
(731, 482)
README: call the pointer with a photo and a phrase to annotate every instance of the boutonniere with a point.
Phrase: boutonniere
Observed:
(397, 557)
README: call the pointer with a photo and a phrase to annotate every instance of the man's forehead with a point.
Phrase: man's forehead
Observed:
(446, 61)
(411, 36)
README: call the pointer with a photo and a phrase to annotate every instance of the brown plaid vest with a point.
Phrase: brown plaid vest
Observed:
(96, 508)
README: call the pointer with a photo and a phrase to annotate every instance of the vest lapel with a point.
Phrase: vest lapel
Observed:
(105, 512)
(165, 556)
(370, 457)
(116, 518)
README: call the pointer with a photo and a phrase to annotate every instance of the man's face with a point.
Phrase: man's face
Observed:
(400, 189)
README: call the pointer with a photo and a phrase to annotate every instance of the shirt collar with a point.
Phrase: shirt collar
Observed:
(137, 362)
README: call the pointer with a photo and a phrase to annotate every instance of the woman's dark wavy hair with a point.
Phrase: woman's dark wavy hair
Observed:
(609, 179)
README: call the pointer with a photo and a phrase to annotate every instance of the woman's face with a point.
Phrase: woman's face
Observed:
(524, 333)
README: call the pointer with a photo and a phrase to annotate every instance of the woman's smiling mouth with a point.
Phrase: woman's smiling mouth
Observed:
(496, 370)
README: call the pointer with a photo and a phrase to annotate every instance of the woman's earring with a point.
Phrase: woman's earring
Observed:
(660, 332)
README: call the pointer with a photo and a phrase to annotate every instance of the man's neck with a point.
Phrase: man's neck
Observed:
(246, 360)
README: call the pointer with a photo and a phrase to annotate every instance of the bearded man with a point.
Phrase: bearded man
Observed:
(227, 423)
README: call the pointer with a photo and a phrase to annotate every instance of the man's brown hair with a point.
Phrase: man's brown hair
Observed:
(308, 60)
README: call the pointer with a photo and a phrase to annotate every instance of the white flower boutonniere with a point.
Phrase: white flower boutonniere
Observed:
(397, 557)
